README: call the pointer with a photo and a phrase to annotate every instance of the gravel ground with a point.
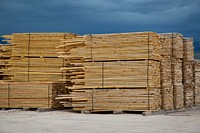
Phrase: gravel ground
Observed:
(18, 121)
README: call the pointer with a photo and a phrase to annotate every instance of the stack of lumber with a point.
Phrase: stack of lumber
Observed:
(177, 71)
(188, 80)
(30, 94)
(166, 70)
(117, 74)
(34, 57)
(113, 71)
(172, 54)
(197, 82)
(122, 46)
(131, 99)
(5, 53)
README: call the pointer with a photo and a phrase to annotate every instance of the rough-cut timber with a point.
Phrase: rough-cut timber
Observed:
(5, 53)
(132, 99)
(188, 48)
(34, 57)
(36, 69)
(123, 46)
(115, 64)
(197, 82)
(176, 42)
(188, 80)
(166, 70)
(30, 94)
(119, 74)
(36, 44)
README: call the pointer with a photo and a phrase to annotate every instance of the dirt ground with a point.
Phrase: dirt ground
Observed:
(18, 121)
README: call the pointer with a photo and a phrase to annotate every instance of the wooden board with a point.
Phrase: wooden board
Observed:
(166, 83)
(173, 45)
(120, 74)
(30, 95)
(197, 82)
(123, 46)
(36, 69)
(36, 44)
(104, 62)
(188, 78)
(188, 49)
(5, 53)
(34, 57)
(96, 100)
(188, 83)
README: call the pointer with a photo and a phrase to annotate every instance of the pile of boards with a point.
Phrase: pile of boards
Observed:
(29, 94)
(171, 71)
(130, 71)
(177, 80)
(188, 73)
(5, 53)
(112, 72)
(139, 71)
(33, 68)
(197, 82)
(34, 57)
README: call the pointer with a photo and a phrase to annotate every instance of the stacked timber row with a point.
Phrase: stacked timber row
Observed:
(5, 53)
(36, 69)
(34, 57)
(188, 80)
(172, 61)
(166, 70)
(30, 94)
(197, 82)
(177, 70)
(113, 72)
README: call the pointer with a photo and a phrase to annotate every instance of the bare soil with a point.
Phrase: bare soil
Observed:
(63, 121)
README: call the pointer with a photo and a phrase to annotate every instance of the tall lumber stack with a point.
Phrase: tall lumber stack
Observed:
(34, 57)
(114, 72)
(166, 70)
(36, 69)
(177, 70)
(172, 88)
(29, 94)
(99, 72)
(197, 82)
(188, 58)
(5, 53)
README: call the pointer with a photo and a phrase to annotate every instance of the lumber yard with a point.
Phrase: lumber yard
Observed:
(136, 71)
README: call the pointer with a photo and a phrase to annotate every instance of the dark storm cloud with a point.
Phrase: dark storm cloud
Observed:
(100, 16)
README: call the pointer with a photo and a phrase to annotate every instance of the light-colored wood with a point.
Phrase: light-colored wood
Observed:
(124, 46)
(115, 99)
(166, 72)
(104, 62)
(34, 57)
(197, 82)
(30, 95)
(188, 80)
(188, 49)
(120, 74)
(172, 71)
(5, 53)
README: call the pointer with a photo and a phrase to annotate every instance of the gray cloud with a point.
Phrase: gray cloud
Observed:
(100, 16)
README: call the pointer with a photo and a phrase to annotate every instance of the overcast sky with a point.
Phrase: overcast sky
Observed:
(100, 16)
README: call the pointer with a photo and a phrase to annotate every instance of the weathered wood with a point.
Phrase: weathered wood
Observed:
(197, 82)
(188, 80)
